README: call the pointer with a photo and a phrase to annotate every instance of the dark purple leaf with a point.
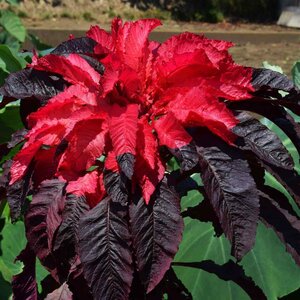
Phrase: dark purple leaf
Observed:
(262, 141)
(4, 150)
(17, 193)
(157, 231)
(29, 83)
(265, 78)
(285, 225)
(4, 179)
(66, 239)
(82, 45)
(62, 293)
(233, 194)
(115, 185)
(105, 250)
(229, 271)
(290, 179)
(17, 138)
(42, 220)
(187, 156)
(126, 163)
(275, 113)
(24, 284)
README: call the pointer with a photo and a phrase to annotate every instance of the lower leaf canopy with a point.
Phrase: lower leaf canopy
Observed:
(105, 250)
(157, 229)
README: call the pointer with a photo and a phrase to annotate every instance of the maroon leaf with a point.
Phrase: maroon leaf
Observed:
(17, 193)
(24, 284)
(66, 240)
(32, 83)
(265, 78)
(82, 45)
(262, 141)
(105, 252)
(157, 231)
(115, 185)
(43, 219)
(62, 293)
(233, 194)
(17, 138)
(275, 113)
(285, 225)
(290, 179)
(4, 179)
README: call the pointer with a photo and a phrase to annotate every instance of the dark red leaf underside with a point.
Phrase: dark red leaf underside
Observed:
(157, 231)
(43, 219)
(66, 239)
(24, 284)
(233, 194)
(265, 78)
(285, 225)
(32, 83)
(62, 293)
(276, 114)
(262, 141)
(17, 193)
(105, 251)
(82, 45)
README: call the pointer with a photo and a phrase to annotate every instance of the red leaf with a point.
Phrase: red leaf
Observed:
(62, 293)
(149, 168)
(86, 144)
(22, 160)
(171, 133)
(122, 129)
(102, 37)
(72, 68)
(90, 185)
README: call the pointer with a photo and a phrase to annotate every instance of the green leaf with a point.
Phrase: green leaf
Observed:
(13, 240)
(13, 25)
(36, 42)
(269, 265)
(9, 122)
(296, 73)
(9, 61)
(272, 67)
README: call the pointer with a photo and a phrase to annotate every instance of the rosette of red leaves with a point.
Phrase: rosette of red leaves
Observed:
(104, 115)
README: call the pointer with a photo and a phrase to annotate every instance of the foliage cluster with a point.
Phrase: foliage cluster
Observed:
(91, 213)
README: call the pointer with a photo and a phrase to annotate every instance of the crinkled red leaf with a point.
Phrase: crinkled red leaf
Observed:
(72, 68)
(86, 143)
(149, 168)
(90, 185)
(122, 130)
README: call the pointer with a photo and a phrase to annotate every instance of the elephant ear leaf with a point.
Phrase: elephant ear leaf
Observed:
(233, 194)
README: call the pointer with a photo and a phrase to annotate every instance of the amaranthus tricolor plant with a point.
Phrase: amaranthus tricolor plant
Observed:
(104, 116)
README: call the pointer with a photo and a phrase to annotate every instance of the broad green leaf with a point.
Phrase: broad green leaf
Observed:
(9, 61)
(270, 266)
(13, 25)
(37, 43)
(272, 67)
(296, 73)
(9, 122)
(12, 242)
